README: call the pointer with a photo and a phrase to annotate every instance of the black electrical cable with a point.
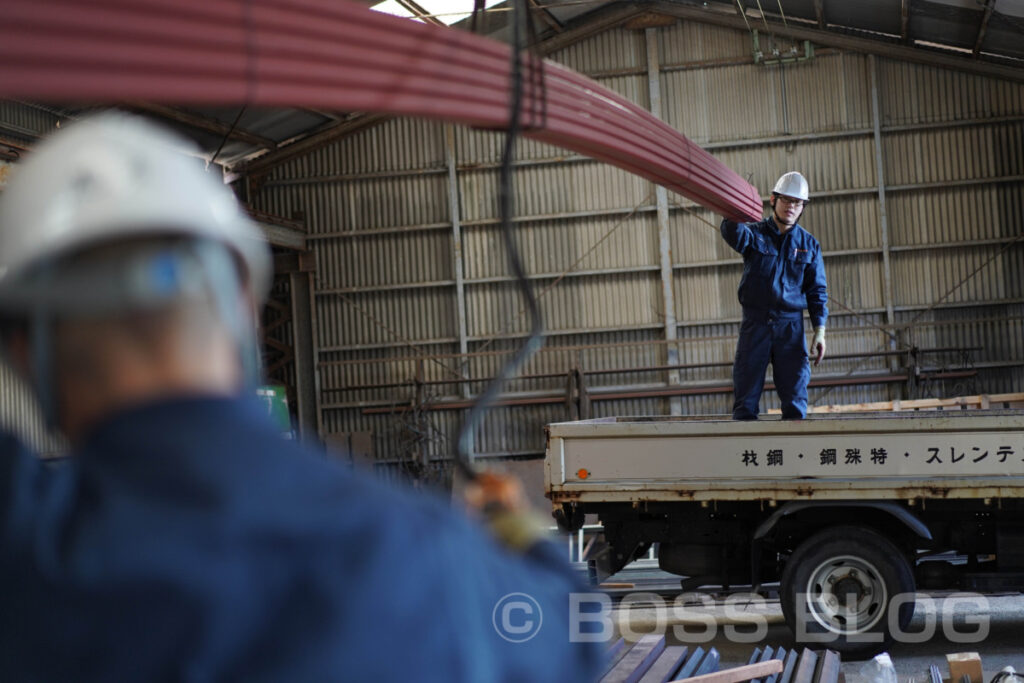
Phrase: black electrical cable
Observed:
(478, 10)
(464, 457)
(228, 134)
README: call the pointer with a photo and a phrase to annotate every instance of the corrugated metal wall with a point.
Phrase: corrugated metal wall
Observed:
(22, 123)
(379, 208)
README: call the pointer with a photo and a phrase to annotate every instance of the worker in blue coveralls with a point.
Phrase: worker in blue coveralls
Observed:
(184, 539)
(783, 273)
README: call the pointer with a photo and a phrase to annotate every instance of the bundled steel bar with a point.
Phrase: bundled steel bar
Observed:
(338, 55)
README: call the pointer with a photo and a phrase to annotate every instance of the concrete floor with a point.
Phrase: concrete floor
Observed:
(945, 626)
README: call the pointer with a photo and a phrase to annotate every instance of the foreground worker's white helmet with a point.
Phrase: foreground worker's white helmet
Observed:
(114, 177)
(791, 184)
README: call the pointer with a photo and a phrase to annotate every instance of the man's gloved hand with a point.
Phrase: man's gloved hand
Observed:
(499, 499)
(818, 345)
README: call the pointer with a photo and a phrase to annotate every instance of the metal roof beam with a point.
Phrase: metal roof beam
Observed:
(846, 42)
(604, 19)
(311, 143)
(594, 23)
(989, 6)
(905, 21)
(203, 123)
(546, 16)
(420, 13)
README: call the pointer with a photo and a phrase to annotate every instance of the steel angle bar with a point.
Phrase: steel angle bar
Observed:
(341, 56)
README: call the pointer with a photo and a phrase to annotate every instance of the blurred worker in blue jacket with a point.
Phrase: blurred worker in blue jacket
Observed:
(783, 273)
(185, 539)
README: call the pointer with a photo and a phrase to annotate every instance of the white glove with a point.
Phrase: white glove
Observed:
(818, 345)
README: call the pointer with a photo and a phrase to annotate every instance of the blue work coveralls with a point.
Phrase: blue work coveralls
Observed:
(782, 275)
(187, 541)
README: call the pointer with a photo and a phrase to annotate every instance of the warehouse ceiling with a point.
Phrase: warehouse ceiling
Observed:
(984, 37)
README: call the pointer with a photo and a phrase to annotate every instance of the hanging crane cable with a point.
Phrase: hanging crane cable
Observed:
(465, 452)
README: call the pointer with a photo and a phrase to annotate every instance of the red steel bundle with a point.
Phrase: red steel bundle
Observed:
(337, 55)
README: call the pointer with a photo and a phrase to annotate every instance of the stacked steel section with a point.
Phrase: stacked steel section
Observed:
(343, 56)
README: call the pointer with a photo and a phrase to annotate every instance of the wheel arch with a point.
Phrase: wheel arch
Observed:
(911, 524)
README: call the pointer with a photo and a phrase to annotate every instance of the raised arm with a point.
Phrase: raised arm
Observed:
(736, 235)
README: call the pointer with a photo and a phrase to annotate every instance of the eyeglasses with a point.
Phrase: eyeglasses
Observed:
(792, 202)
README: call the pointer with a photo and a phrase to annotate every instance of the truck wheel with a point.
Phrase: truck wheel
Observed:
(837, 588)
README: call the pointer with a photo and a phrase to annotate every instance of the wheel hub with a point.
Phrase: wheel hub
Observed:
(846, 595)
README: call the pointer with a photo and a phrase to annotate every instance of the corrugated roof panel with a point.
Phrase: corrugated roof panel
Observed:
(389, 259)
(544, 190)
(956, 214)
(694, 237)
(730, 94)
(474, 146)
(686, 42)
(385, 366)
(805, 114)
(880, 16)
(24, 122)
(384, 317)
(949, 154)
(856, 280)
(633, 88)
(828, 164)
(615, 49)
(924, 277)
(20, 414)
(914, 93)
(361, 204)
(556, 246)
(993, 331)
(717, 104)
(397, 144)
(577, 303)
(841, 223)
(706, 293)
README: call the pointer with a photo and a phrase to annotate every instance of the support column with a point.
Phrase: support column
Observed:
(664, 244)
(876, 122)
(460, 285)
(307, 379)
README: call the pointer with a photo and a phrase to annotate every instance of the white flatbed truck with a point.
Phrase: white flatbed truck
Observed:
(850, 514)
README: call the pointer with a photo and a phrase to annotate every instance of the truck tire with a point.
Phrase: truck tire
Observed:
(837, 589)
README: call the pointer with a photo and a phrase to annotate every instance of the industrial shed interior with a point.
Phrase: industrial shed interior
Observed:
(393, 302)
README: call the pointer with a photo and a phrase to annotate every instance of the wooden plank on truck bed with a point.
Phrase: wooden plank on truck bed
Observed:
(637, 661)
(665, 667)
(767, 655)
(978, 402)
(780, 654)
(740, 673)
(965, 664)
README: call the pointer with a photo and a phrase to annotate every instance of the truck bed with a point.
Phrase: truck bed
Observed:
(908, 456)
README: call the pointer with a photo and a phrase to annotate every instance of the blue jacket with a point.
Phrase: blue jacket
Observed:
(186, 541)
(780, 272)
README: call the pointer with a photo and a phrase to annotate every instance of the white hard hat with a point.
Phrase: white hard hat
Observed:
(791, 184)
(114, 177)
